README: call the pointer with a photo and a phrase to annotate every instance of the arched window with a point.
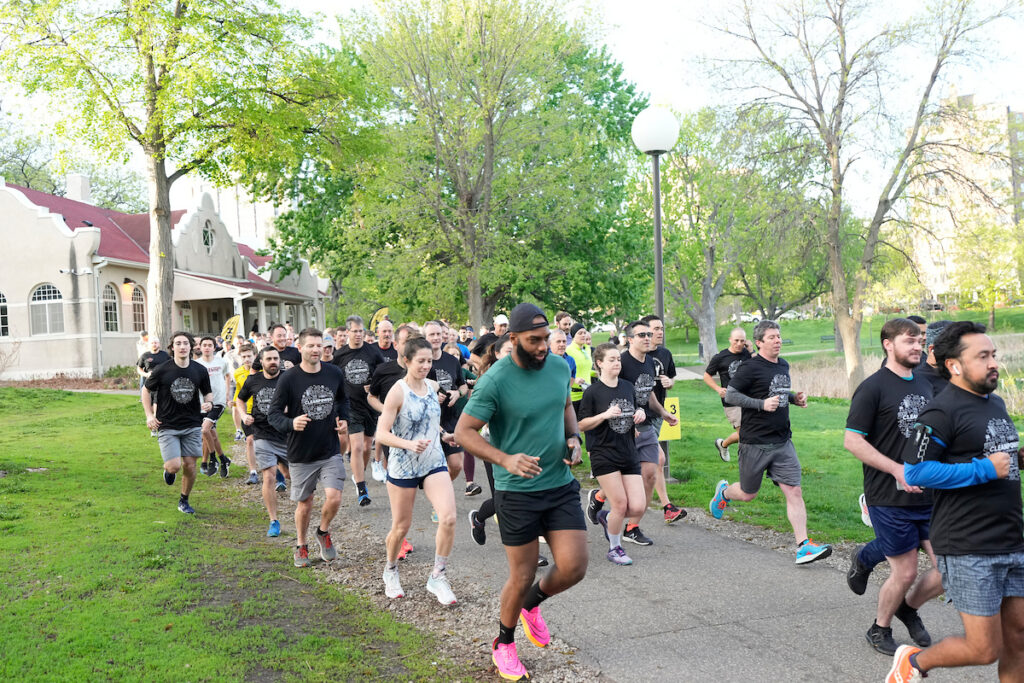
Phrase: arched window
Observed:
(46, 307)
(5, 329)
(110, 305)
(138, 310)
(208, 237)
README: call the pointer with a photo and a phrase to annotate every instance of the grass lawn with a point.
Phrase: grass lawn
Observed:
(103, 579)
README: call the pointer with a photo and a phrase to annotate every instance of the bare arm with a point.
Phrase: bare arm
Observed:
(869, 455)
(467, 433)
(710, 381)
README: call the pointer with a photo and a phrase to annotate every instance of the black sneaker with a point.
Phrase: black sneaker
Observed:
(211, 468)
(880, 638)
(634, 535)
(225, 463)
(857, 575)
(169, 477)
(593, 505)
(915, 627)
(542, 561)
(476, 528)
(185, 507)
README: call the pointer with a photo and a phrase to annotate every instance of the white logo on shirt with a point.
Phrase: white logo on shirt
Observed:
(734, 366)
(357, 372)
(1001, 437)
(263, 398)
(183, 390)
(906, 415)
(780, 387)
(317, 402)
(623, 423)
(642, 389)
(444, 379)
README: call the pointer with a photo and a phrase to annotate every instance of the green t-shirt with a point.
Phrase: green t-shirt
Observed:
(525, 411)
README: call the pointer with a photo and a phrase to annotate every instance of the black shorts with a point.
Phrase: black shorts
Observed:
(450, 450)
(215, 412)
(603, 462)
(247, 429)
(525, 515)
(362, 419)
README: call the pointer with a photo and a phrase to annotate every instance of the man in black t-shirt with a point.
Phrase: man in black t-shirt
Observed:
(882, 415)
(446, 370)
(178, 415)
(151, 358)
(386, 340)
(290, 355)
(761, 387)
(311, 409)
(928, 370)
(725, 363)
(665, 379)
(968, 451)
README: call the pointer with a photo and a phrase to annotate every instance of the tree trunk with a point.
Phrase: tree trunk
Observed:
(705, 320)
(992, 318)
(849, 330)
(161, 249)
(475, 298)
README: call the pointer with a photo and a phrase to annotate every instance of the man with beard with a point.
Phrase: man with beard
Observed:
(178, 417)
(310, 407)
(883, 412)
(725, 363)
(279, 337)
(270, 449)
(968, 450)
(524, 400)
(386, 340)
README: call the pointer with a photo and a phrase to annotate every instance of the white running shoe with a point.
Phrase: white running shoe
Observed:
(378, 472)
(723, 450)
(440, 587)
(864, 516)
(392, 587)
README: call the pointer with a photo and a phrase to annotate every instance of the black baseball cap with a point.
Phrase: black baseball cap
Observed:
(522, 318)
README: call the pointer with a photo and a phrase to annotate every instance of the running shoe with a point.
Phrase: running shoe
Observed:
(392, 587)
(723, 450)
(506, 660)
(279, 478)
(809, 551)
(473, 489)
(433, 516)
(902, 671)
(534, 627)
(153, 432)
(593, 505)
(169, 477)
(542, 561)
(880, 638)
(857, 575)
(254, 478)
(618, 556)
(672, 513)
(364, 499)
(239, 435)
(602, 519)
(476, 528)
(541, 539)
(865, 516)
(183, 506)
(377, 471)
(275, 529)
(225, 463)
(719, 503)
(442, 590)
(405, 549)
(634, 535)
(205, 468)
(327, 551)
(302, 556)
(915, 627)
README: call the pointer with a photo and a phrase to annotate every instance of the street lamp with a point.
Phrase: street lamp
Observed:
(655, 131)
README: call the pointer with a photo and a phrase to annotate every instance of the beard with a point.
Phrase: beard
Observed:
(906, 360)
(529, 361)
(986, 385)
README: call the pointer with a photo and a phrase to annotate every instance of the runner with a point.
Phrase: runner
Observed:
(761, 387)
(883, 411)
(386, 340)
(279, 337)
(564, 322)
(309, 406)
(220, 373)
(410, 425)
(246, 353)
(968, 450)
(178, 417)
(609, 414)
(725, 363)
(271, 450)
(582, 354)
(446, 370)
(525, 401)
(665, 367)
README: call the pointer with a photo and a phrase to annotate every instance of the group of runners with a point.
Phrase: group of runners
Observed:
(422, 404)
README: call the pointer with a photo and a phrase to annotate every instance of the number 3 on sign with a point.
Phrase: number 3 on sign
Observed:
(671, 433)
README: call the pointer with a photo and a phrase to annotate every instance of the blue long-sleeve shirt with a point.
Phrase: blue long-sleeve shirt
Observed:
(939, 475)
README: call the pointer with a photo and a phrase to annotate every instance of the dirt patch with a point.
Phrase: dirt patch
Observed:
(72, 383)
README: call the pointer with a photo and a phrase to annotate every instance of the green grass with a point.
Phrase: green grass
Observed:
(103, 579)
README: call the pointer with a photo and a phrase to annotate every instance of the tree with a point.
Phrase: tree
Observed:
(986, 272)
(836, 73)
(220, 88)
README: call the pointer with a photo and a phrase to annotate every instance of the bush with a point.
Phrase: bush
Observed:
(126, 372)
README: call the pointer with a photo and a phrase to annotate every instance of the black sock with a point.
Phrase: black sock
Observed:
(904, 610)
(361, 486)
(506, 634)
(183, 499)
(213, 459)
(534, 597)
(913, 663)
(320, 533)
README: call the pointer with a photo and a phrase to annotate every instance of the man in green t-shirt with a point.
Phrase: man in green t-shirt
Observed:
(524, 400)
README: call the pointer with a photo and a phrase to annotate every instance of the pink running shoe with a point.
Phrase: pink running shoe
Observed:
(507, 661)
(534, 626)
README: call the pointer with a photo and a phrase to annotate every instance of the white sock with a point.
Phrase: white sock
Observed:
(614, 541)
(440, 563)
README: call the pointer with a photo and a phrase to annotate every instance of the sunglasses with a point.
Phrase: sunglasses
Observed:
(644, 335)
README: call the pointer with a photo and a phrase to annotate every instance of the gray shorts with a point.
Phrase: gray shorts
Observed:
(330, 472)
(779, 460)
(977, 584)
(269, 453)
(180, 443)
(647, 446)
(733, 415)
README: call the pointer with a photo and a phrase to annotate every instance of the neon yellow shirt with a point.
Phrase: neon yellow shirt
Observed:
(240, 375)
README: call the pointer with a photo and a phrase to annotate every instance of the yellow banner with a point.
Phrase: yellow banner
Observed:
(377, 317)
(231, 328)
(669, 433)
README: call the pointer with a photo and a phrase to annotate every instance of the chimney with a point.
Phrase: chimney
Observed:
(78, 188)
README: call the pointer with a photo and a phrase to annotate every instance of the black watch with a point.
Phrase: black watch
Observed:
(577, 435)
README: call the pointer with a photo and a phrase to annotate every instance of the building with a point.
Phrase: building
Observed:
(73, 282)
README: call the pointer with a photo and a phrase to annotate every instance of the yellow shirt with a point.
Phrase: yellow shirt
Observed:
(240, 374)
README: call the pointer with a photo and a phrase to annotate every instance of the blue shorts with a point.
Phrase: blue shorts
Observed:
(977, 584)
(900, 530)
(415, 482)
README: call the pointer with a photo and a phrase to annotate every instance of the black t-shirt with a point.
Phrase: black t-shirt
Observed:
(725, 363)
(289, 353)
(759, 378)
(480, 345)
(643, 377)
(177, 391)
(984, 519)
(447, 372)
(150, 360)
(261, 391)
(358, 366)
(932, 376)
(664, 364)
(390, 353)
(614, 437)
(384, 377)
(321, 396)
(884, 409)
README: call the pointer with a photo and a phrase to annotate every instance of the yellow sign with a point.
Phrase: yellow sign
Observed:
(377, 317)
(669, 433)
(231, 328)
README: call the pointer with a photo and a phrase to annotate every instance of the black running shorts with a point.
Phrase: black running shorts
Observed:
(525, 515)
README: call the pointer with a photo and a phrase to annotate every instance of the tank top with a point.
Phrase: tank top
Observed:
(419, 418)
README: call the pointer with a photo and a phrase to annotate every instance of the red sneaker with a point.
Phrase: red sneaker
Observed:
(406, 549)
(506, 659)
(535, 627)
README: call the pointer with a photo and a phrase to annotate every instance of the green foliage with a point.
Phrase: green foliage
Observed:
(122, 372)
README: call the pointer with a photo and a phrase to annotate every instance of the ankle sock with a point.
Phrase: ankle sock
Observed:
(440, 564)
(506, 634)
(614, 541)
(534, 597)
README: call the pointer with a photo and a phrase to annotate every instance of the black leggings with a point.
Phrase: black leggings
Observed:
(486, 510)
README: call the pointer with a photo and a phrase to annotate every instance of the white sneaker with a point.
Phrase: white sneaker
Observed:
(378, 472)
(392, 587)
(723, 450)
(440, 587)
(864, 516)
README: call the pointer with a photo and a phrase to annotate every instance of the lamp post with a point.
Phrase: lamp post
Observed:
(655, 131)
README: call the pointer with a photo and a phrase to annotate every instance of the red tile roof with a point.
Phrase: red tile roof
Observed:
(250, 253)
